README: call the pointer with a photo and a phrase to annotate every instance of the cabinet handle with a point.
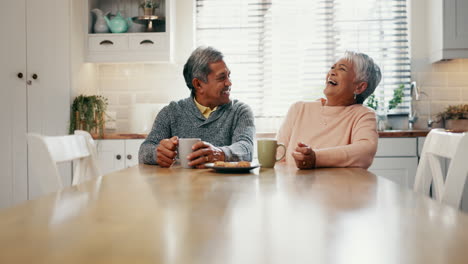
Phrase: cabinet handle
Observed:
(20, 75)
(146, 41)
(118, 157)
(106, 42)
(34, 76)
(129, 156)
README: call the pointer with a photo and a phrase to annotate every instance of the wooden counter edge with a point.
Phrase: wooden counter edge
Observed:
(382, 134)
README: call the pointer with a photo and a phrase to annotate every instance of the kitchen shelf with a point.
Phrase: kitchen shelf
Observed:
(136, 45)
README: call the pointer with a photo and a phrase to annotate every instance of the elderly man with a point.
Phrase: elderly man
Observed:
(225, 126)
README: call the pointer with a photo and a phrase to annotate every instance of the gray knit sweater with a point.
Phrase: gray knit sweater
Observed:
(230, 127)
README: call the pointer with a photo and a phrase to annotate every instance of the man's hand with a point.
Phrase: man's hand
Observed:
(166, 151)
(204, 152)
(304, 156)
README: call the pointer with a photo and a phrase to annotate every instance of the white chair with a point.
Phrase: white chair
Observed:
(438, 145)
(90, 141)
(48, 151)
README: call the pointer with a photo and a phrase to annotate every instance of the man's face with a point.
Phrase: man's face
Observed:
(340, 83)
(217, 89)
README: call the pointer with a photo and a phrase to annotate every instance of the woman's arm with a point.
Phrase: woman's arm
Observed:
(361, 151)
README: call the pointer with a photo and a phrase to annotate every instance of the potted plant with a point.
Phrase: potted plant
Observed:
(455, 117)
(87, 113)
(389, 120)
(149, 6)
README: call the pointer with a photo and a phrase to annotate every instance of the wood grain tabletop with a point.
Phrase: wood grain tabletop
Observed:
(148, 214)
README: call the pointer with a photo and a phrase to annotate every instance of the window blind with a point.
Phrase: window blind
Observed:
(280, 51)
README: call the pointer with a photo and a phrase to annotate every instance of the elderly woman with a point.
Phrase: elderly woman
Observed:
(337, 131)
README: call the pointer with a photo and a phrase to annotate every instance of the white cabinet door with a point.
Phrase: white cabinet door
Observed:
(35, 86)
(396, 147)
(111, 155)
(114, 155)
(13, 149)
(400, 170)
(132, 146)
(48, 73)
(448, 29)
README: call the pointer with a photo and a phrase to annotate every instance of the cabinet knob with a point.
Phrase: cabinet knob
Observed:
(34, 76)
(118, 157)
(20, 75)
(129, 156)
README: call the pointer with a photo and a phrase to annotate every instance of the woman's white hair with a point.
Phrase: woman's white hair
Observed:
(366, 71)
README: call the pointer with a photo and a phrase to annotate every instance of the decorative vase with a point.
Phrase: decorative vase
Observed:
(100, 26)
(94, 128)
(118, 24)
(456, 125)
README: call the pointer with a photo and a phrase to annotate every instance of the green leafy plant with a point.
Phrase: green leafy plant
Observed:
(397, 97)
(372, 102)
(150, 4)
(454, 112)
(88, 113)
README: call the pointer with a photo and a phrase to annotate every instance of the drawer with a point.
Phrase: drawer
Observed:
(107, 43)
(147, 42)
(397, 147)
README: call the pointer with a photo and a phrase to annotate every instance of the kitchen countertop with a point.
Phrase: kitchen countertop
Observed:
(382, 134)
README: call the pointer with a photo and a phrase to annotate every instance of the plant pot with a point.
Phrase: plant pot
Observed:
(456, 125)
(148, 11)
(93, 129)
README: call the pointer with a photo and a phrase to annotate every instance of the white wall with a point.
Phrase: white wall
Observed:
(444, 83)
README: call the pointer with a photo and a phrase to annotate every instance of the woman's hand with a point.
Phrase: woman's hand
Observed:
(204, 152)
(304, 156)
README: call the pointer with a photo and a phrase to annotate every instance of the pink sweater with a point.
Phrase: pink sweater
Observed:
(341, 136)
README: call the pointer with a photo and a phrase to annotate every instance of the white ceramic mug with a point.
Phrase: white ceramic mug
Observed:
(185, 148)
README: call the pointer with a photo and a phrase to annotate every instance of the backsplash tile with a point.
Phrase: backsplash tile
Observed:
(457, 79)
(127, 84)
(448, 93)
(446, 84)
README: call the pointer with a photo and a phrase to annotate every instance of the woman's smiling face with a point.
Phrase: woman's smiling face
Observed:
(341, 83)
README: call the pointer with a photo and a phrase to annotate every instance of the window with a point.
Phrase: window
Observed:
(280, 51)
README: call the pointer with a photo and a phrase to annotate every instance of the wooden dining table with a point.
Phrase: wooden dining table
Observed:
(148, 214)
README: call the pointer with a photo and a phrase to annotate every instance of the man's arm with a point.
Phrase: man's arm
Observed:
(161, 130)
(242, 137)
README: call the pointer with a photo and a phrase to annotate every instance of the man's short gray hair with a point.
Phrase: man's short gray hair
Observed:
(198, 65)
(366, 71)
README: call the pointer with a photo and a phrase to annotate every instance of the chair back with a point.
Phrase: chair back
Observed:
(92, 147)
(443, 152)
(48, 151)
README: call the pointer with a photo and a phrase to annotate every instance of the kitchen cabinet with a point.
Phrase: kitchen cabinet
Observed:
(114, 155)
(139, 44)
(396, 159)
(34, 86)
(448, 34)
